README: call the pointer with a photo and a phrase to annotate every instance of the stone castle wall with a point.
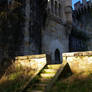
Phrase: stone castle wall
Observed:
(82, 17)
(55, 36)
(61, 9)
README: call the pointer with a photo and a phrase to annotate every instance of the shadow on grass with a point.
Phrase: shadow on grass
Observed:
(13, 85)
(14, 82)
(66, 72)
(5, 63)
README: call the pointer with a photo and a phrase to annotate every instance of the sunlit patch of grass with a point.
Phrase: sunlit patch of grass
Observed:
(74, 83)
(14, 78)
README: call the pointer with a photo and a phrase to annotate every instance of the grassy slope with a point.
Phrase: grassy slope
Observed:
(74, 83)
(15, 78)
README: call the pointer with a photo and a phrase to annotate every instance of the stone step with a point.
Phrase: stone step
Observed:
(28, 90)
(35, 87)
(36, 91)
(44, 75)
(50, 70)
(44, 80)
(54, 66)
(40, 84)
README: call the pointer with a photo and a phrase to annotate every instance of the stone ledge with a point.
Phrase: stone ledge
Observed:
(71, 54)
(30, 57)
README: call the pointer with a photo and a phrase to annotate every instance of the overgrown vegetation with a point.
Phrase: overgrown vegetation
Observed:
(75, 83)
(15, 78)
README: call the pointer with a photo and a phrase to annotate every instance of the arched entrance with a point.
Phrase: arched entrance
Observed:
(57, 56)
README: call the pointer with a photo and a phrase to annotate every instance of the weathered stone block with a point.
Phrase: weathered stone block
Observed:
(35, 62)
(79, 61)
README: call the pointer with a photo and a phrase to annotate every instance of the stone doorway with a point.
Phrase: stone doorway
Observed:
(57, 56)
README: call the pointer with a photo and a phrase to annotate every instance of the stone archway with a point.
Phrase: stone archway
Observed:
(57, 56)
(54, 45)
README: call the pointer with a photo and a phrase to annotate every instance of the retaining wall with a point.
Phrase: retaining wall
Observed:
(79, 61)
(34, 61)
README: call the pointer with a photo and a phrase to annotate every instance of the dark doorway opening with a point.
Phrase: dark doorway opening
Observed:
(57, 56)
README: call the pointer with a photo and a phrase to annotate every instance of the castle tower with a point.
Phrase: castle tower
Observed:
(68, 11)
(56, 8)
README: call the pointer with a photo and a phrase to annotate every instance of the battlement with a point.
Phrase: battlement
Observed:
(81, 9)
(55, 7)
(82, 16)
(84, 4)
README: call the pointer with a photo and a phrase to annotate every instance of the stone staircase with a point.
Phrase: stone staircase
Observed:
(45, 79)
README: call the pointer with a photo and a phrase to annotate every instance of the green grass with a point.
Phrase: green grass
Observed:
(74, 83)
(15, 78)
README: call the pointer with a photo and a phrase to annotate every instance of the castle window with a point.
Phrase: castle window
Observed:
(55, 8)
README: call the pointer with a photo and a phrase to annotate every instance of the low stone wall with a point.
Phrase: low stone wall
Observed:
(79, 61)
(34, 61)
(22, 71)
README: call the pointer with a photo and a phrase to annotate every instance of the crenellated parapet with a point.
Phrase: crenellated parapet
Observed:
(82, 8)
(55, 7)
(84, 4)
(82, 20)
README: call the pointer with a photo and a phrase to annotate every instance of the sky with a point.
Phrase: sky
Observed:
(74, 1)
